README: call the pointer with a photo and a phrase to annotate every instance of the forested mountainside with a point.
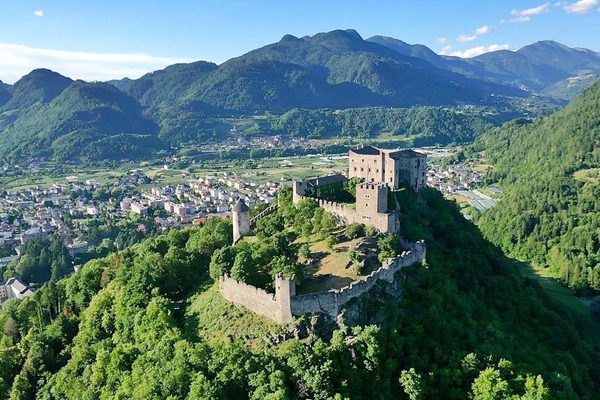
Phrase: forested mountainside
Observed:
(5, 93)
(544, 66)
(469, 325)
(550, 172)
(335, 69)
(49, 114)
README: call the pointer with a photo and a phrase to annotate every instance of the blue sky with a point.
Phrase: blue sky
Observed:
(105, 39)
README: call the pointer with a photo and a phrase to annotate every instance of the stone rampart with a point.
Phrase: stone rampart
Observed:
(251, 297)
(331, 302)
(273, 306)
(267, 211)
(280, 306)
(343, 213)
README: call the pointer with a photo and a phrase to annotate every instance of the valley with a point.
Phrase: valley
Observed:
(323, 217)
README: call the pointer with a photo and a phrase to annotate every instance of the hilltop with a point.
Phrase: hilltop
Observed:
(465, 319)
(50, 115)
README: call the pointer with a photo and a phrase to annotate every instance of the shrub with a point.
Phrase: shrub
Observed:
(354, 231)
(371, 231)
(330, 241)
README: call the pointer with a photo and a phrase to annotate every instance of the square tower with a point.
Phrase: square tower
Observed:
(371, 199)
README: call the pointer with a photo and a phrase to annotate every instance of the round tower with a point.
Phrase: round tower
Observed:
(240, 214)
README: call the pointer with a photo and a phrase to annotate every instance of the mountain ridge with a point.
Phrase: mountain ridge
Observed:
(333, 70)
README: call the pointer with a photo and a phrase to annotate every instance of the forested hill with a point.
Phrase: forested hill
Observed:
(5, 93)
(336, 69)
(48, 114)
(468, 326)
(550, 211)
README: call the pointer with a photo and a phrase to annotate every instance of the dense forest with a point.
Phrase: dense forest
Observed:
(425, 124)
(550, 211)
(468, 326)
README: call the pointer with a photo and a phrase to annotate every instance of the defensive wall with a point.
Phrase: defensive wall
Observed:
(370, 208)
(267, 211)
(273, 306)
(281, 306)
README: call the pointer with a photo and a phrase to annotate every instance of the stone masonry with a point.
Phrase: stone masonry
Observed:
(281, 306)
(392, 167)
(371, 206)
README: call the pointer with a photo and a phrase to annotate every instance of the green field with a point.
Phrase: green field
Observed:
(273, 169)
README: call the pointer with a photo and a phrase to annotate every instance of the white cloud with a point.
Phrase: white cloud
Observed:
(445, 51)
(466, 38)
(18, 60)
(484, 30)
(523, 18)
(442, 39)
(542, 8)
(38, 13)
(581, 6)
(476, 51)
(526, 14)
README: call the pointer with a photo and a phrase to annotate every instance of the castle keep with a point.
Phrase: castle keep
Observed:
(392, 167)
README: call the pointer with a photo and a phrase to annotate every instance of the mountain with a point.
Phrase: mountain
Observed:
(167, 85)
(63, 118)
(550, 209)
(543, 67)
(336, 69)
(39, 86)
(5, 93)
(560, 57)
(411, 50)
(331, 70)
(572, 86)
(120, 83)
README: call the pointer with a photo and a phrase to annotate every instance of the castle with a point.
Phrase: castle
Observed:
(380, 170)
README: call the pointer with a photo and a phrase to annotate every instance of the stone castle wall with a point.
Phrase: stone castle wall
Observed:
(343, 213)
(267, 211)
(332, 301)
(251, 297)
(280, 306)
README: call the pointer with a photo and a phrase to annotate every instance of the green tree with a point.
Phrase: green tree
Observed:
(490, 385)
(412, 384)
(243, 267)
(330, 241)
(388, 247)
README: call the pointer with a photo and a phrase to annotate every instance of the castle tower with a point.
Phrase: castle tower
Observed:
(240, 214)
(298, 190)
(371, 198)
(285, 289)
(372, 207)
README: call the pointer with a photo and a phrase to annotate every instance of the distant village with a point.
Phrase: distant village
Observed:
(463, 182)
(64, 209)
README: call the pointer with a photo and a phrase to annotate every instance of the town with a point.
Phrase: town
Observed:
(74, 210)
